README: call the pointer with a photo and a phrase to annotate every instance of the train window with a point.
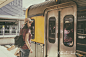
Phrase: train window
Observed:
(68, 30)
(52, 28)
(33, 29)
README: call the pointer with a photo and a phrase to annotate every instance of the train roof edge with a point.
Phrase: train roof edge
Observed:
(38, 9)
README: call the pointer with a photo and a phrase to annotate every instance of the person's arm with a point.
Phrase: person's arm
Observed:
(11, 48)
(27, 42)
(71, 44)
(17, 52)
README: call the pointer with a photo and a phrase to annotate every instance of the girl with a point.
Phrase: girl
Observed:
(26, 49)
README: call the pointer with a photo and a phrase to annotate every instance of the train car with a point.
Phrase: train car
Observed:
(60, 26)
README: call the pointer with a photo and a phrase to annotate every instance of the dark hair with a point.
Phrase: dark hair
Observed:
(68, 28)
(25, 26)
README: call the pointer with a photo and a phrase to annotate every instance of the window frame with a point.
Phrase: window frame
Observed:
(63, 30)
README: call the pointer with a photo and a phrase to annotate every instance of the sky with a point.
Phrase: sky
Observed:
(27, 3)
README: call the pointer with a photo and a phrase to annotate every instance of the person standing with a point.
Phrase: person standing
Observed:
(26, 32)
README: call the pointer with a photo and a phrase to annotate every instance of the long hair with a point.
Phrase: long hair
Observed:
(25, 26)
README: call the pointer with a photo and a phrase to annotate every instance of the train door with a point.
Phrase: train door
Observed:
(67, 44)
(52, 29)
(61, 32)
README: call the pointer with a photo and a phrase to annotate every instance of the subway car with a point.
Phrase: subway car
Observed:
(60, 26)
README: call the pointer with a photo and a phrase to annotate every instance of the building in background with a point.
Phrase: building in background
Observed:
(11, 19)
(13, 8)
(24, 11)
(4, 2)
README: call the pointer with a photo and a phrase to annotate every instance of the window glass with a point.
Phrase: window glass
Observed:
(33, 29)
(52, 28)
(68, 30)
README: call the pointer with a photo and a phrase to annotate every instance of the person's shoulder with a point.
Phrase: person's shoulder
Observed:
(28, 30)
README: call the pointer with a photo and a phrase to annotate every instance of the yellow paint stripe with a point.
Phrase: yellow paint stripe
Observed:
(26, 13)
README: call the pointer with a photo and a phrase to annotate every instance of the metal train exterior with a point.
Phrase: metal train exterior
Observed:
(51, 18)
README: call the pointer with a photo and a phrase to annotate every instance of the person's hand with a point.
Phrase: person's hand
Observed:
(71, 44)
(18, 54)
(8, 49)
(11, 48)
(31, 51)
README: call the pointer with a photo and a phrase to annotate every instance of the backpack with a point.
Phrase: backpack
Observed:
(19, 42)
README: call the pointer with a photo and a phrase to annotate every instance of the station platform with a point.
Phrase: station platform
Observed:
(37, 50)
(5, 53)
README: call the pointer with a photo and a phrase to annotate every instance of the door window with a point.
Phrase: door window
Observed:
(68, 30)
(52, 28)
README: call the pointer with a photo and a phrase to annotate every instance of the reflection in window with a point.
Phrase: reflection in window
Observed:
(33, 29)
(52, 25)
(68, 30)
